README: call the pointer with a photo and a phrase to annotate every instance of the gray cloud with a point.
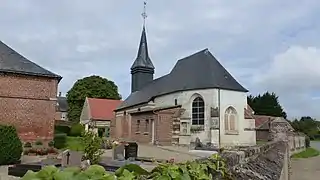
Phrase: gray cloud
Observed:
(260, 42)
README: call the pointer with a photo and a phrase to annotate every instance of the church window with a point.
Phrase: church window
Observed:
(230, 119)
(147, 126)
(138, 125)
(198, 111)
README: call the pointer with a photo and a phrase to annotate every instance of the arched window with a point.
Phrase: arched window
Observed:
(230, 119)
(198, 111)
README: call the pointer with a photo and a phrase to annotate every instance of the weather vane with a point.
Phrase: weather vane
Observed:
(144, 14)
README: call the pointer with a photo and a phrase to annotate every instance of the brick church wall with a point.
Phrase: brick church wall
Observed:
(25, 103)
(138, 126)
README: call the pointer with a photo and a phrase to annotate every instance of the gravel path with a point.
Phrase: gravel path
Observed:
(305, 169)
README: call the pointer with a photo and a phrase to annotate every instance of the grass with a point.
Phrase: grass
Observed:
(261, 142)
(309, 152)
(74, 143)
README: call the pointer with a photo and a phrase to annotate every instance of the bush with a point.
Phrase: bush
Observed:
(76, 130)
(212, 168)
(51, 144)
(27, 145)
(92, 145)
(307, 142)
(10, 145)
(60, 141)
(38, 143)
(61, 129)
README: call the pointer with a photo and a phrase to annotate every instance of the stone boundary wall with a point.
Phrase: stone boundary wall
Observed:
(270, 161)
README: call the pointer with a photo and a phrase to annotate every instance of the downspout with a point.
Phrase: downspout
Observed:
(219, 120)
(155, 122)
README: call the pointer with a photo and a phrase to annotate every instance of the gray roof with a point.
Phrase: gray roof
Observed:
(198, 71)
(143, 59)
(13, 62)
(62, 104)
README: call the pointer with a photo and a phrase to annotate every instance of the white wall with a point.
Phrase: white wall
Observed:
(237, 100)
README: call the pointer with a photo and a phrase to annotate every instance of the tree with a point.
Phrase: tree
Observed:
(267, 104)
(308, 126)
(92, 87)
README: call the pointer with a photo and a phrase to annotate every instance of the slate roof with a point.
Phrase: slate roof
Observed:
(143, 59)
(102, 109)
(13, 62)
(197, 71)
(62, 104)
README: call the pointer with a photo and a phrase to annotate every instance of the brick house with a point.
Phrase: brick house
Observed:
(27, 95)
(198, 99)
(97, 114)
(264, 124)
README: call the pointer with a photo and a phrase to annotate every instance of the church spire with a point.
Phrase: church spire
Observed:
(142, 69)
(143, 59)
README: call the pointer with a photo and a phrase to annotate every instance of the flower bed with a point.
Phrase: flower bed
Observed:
(41, 151)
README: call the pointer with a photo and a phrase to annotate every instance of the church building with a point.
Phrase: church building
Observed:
(198, 99)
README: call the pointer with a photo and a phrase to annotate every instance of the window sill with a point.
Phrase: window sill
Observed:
(232, 132)
(138, 132)
(146, 133)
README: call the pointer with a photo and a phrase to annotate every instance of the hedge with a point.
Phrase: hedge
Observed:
(61, 129)
(60, 140)
(76, 130)
(10, 145)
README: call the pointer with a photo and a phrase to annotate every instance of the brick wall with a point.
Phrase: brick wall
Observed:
(25, 103)
(141, 127)
(138, 126)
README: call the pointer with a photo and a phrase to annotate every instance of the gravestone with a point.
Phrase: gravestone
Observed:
(118, 152)
(71, 158)
(131, 151)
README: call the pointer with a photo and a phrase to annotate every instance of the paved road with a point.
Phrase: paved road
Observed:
(306, 169)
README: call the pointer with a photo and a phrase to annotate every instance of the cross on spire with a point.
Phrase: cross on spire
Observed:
(144, 13)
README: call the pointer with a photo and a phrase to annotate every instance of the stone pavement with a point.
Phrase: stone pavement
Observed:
(179, 154)
(306, 169)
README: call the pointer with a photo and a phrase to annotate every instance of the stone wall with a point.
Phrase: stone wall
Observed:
(270, 161)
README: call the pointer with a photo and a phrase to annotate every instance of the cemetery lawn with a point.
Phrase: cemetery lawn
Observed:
(309, 152)
(74, 143)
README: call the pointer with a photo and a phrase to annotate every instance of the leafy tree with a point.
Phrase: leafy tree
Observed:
(308, 126)
(266, 104)
(92, 87)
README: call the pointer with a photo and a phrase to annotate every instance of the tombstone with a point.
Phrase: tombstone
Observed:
(71, 158)
(118, 152)
(198, 143)
(131, 151)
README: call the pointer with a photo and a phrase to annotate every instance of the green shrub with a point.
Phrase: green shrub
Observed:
(92, 145)
(27, 145)
(51, 144)
(62, 129)
(76, 130)
(307, 142)
(38, 143)
(10, 145)
(60, 141)
(212, 168)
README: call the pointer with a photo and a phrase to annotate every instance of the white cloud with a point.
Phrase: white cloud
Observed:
(294, 75)
(247, 36)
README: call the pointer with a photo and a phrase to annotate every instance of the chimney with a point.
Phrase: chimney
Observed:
(59, 94)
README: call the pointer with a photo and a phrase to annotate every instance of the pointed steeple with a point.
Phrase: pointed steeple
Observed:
(143, 60)
(142, 69)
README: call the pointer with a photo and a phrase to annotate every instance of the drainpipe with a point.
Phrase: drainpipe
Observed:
(219, 117)
(155, 122)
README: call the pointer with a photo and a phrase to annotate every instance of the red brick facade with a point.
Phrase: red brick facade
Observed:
(27, 102)
(139, 126)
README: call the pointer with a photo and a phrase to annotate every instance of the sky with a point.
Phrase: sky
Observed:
(267, 45)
